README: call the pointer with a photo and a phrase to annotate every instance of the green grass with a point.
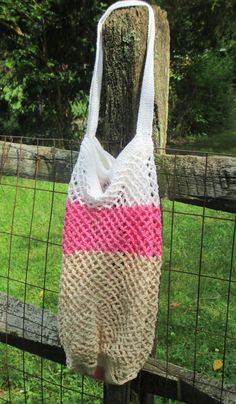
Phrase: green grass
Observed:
(38, 263)
(224, 142)
(180, 286)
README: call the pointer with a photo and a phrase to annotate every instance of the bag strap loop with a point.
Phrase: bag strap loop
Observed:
(146, 105)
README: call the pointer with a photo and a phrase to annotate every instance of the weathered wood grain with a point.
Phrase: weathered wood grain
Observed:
(44, 163)
(30, 328)
(27, 321)
(200, 180)
(124, 39)
(192, 179)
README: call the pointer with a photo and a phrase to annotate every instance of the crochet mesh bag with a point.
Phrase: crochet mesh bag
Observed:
(112, 242)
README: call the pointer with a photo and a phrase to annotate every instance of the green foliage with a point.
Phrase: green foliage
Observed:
(46, 57)
(79, 106)
(198, 25)
(47, 54)
(79, 111)
(202, 97)
(203, 65)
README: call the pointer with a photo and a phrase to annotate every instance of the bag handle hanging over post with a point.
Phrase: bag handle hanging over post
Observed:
(146, 105)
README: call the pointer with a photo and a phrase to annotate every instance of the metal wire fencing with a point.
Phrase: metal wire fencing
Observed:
(196, 328)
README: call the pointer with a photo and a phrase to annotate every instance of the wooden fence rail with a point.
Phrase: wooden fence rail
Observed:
(40, 336)
(200, 180)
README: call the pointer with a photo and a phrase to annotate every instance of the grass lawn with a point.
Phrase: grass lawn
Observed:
(30, 267)
(224, 142)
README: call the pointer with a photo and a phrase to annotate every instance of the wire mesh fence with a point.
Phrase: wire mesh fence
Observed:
(196, 328)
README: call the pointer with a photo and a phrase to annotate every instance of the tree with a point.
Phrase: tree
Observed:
(203, 65)
(46, 59)
(47, 56)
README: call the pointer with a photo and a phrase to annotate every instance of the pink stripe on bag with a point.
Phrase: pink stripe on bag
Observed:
(130, 229)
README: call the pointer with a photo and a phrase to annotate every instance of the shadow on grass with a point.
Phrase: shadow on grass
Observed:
(219, 143)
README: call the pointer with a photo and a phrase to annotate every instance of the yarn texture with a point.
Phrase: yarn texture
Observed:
(112, 242)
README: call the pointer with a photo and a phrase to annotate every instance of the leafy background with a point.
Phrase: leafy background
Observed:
(47, 55)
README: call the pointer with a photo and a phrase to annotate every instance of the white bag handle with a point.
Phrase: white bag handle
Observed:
(146, 105)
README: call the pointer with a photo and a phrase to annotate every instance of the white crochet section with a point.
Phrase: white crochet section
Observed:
(100, 180)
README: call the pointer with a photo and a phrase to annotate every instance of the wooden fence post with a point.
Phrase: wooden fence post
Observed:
(124, 42)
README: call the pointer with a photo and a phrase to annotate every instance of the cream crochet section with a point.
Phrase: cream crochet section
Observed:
(108, 308)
